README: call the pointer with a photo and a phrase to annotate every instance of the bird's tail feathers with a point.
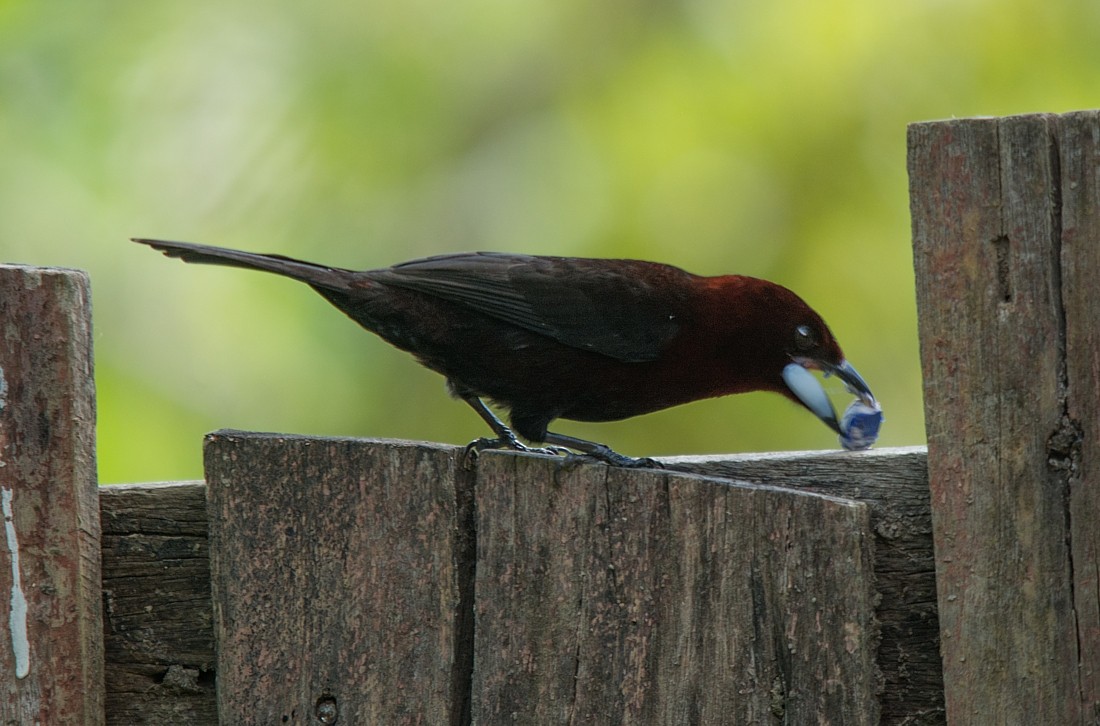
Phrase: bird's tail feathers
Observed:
(328, 277)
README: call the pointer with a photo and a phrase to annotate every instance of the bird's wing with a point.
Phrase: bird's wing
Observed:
(625, 309)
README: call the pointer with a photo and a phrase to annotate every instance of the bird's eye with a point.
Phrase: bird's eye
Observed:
(804, 338)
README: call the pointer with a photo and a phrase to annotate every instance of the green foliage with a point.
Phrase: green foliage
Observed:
(764, 139)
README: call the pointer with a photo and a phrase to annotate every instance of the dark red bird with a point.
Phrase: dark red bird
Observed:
(575, 338)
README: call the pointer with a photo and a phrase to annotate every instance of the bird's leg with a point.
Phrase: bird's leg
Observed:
(506, 438)
(602, 452)
(559, 443)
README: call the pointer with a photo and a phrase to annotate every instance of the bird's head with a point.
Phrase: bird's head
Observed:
(809, 345)
(783, 340)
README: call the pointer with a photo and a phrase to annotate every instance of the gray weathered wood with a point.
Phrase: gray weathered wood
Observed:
(1076, 453)
(158, 657)
(622, 596)
(51, 653)
(336, 568)
(1014, 515)
(893, 483)
(158, 625)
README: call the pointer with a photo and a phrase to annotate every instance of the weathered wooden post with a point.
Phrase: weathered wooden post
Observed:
(158, 636)
(341, 578)
(893, 483)
(51, 628)
(1006, 235)
(618, 596)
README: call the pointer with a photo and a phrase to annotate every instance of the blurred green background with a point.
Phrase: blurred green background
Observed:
(760, 138)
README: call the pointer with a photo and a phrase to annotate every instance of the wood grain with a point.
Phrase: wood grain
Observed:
(1005, 448)
(1075, 446)
(158, 655)
(51, 656)
(159, 632)
(623, 596)
(893, 483)
(335, 568)
(158, 623)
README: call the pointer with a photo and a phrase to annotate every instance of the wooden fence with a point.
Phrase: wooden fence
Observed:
(380, 582)
(720, 607)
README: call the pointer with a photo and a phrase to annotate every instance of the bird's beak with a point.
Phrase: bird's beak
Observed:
(855, 383)
(807, 389)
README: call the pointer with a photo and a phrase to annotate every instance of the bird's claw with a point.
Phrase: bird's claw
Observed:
(574, 459)
(609, 456)
(475, 447)
(628, 462)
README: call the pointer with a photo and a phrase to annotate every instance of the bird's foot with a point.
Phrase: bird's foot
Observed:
(557, 445)
(590, 450)
(609, 456)
(606, 455)
(575, 459)
(476, 446)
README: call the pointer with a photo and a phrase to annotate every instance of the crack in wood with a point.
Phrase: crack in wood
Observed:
(464, 619)
(1064, 444)
(1001, 249)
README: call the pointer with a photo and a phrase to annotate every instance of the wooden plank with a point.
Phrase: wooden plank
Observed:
(51, 638)
(1075, 447)
(893, 483)
(336, 570)
(985, 200)
(622, 596)
(158, 622)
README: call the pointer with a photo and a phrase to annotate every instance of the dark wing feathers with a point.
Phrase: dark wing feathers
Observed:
(606, 306)
(478, 280)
